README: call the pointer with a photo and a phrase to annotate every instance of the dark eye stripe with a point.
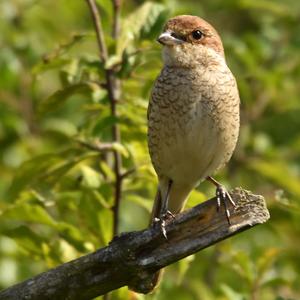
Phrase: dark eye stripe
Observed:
(178, 36)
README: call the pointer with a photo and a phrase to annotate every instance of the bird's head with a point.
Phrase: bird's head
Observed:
(189, 41)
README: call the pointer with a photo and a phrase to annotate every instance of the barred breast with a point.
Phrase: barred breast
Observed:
(193, 125)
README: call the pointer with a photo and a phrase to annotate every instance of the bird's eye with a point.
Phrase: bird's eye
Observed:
(197, 34)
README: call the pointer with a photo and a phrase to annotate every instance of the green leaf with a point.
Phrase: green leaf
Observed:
(184, 265)
(274, 170)
(135, 198)
(244, 266)
(46, 170)
(28, 212)
(29, 170)
(106, 169)
(112, 60)
(60, 126)
(121, 149)
(106, 6)
(130, 60)
(273, 7)
(90, 209)
(55, 59)
(86, 89)
(231, 294)
(139, 23)
(54, 174)
(100, 200)
(267, 259)
(69, 74)
(91, 178)
(195, 198)
(25, 237)
(106, 222)
(51, 65)
(104, 123)
(72, 234)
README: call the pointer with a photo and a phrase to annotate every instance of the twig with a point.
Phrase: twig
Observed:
(99, 31)
(114, 95)
(97, 146)
(127, 173)
(133, 258)
(118, 178)
(113, 89)
(116, 23)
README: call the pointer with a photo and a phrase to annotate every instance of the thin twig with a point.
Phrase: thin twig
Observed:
(116, 23)
(127, 173)
(114, 92)
(113, 89)
(99, 30)
(97, 146)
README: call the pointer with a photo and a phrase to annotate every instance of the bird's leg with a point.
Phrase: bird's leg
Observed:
(222, 195)
(164, 212)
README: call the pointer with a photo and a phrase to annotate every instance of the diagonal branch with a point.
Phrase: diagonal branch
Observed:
(133, 258)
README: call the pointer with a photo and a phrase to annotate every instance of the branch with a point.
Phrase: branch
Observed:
(114, 94)
(133, 258)
(97, 146)
(114, 90)
(99, 30)
(117, 12)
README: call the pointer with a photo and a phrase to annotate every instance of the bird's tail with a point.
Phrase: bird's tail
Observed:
(156, 214)
(178, 196)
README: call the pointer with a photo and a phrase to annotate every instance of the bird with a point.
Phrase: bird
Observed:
(193, 115)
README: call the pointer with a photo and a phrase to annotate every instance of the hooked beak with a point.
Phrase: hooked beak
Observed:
(170, 39)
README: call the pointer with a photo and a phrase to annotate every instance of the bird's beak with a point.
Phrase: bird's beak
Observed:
(169, 39)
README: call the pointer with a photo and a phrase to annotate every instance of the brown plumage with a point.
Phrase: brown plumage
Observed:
(193, 114)
(194, 110)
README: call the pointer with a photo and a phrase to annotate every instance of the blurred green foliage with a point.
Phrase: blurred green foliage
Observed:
(56, 194)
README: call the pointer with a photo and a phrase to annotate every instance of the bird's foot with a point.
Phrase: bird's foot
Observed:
(162, 222)
(223, 196)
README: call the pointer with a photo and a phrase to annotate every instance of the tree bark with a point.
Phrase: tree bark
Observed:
(133, 258)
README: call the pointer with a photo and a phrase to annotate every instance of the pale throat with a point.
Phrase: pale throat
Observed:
(191, 56)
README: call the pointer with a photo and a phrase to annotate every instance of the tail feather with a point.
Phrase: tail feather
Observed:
(178, 196)
(156, 214)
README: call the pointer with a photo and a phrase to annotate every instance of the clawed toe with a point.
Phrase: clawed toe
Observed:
(162, 225)
(223, 196)
(162, 222)
(168, 214)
